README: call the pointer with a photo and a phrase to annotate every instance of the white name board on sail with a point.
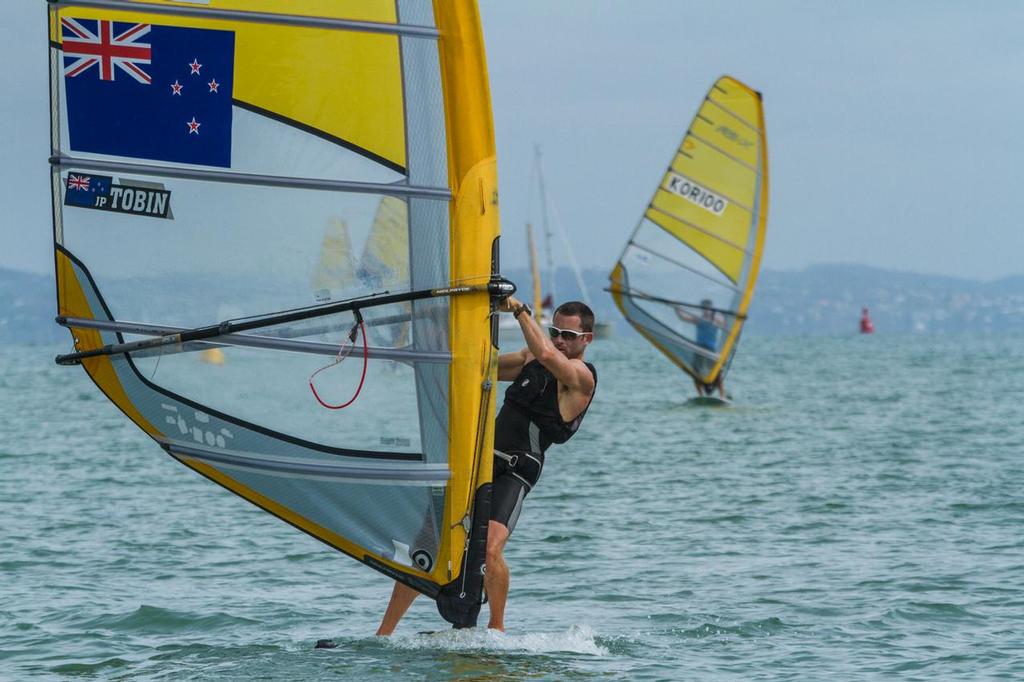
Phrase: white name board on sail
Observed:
(695, 193)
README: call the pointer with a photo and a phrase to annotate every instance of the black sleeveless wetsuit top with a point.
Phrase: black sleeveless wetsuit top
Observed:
(529, 420)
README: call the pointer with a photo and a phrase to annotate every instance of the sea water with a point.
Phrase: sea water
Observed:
(858, 514)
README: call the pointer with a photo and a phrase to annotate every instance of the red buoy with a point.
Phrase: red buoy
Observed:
(866, 325)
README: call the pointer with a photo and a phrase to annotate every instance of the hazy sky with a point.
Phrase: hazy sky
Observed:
(893, 127)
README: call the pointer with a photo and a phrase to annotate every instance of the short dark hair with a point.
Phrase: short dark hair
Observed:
(579, 308)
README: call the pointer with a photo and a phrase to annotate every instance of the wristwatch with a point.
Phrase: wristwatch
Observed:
(521, 308)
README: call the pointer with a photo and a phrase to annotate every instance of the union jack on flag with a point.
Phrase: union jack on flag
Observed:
(105, 48)
(79, 182)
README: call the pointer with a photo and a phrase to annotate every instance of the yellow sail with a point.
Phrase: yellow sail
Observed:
(195, 173)
(386, 255)
(336, 270)
(385, 263)
(687, 274)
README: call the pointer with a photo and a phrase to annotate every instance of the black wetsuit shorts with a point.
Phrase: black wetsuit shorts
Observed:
(507, 495)
(512, 483)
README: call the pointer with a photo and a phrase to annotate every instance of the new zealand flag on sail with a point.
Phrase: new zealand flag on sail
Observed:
(82, 190)
(149, 92)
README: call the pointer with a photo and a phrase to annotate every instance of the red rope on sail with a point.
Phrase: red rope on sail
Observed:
(343, 353)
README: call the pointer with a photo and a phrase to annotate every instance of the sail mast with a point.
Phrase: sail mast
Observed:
(549, 253)
(534, 273)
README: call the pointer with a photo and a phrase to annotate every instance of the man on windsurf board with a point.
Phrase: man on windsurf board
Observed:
(707, 326)
(551, 389)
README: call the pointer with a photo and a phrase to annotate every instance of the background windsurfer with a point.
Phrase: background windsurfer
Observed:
(551, 389)
(707, 324)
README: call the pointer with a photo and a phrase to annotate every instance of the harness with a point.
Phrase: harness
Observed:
(529, 422)
(526, 466)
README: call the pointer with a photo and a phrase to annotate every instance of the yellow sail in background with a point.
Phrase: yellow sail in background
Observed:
(336, 270)
(385, 258)
(687, 275)
(384, 264)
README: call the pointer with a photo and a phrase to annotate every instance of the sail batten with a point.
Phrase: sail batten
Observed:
(721, 238)
(241, 15)
(261, 341)
(640, 294)
(391, 188)
(687, 274)
(722, 152)
(739, 119)
(657, 254)
(414, 473)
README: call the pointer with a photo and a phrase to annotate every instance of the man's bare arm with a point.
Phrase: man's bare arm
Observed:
(511, 364)
(683, 315)
(573, 374)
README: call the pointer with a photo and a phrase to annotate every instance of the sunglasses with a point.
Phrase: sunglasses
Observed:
(567, 334)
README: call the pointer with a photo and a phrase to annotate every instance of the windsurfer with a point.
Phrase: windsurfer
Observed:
(551, 389)
(708, 325)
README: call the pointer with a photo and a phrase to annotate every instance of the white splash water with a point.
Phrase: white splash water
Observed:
(578, 639)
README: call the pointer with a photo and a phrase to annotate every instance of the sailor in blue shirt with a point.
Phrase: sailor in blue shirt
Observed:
(708, 326)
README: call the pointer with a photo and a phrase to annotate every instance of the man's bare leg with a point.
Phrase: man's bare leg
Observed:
(401, 598)
(496, 576)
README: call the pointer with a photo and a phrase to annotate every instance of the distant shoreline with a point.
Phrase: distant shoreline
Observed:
(821, 300)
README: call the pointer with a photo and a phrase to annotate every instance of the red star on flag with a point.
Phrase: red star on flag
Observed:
(195, 66)
(176, 88)
(213, 85)
(193, 126)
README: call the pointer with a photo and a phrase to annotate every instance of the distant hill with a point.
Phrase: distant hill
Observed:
(819, 300)
(827, 299)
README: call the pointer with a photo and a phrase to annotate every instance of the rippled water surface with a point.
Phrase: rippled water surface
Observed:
(857, 515)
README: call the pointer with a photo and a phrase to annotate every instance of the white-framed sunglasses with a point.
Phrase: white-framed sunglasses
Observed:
(567, 334)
